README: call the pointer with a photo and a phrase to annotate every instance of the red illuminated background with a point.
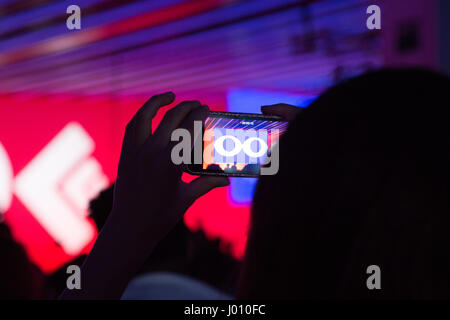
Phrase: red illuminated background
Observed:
(66, 95)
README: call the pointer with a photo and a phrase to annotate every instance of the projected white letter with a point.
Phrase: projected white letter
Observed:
(6, 176)
(40, 186)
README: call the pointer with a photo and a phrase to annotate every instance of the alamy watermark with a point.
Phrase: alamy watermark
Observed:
(74, 20)
(74, 280)
(374, 20)
(374, 280)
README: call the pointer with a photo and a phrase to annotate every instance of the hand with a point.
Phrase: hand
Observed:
(286, 111)
(149, 196)
(149, 199)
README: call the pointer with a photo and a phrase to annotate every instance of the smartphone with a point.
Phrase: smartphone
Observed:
(237, 144)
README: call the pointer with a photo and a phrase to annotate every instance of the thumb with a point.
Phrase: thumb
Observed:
(202, 185)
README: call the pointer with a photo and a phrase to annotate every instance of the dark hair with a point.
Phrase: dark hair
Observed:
(363, 180)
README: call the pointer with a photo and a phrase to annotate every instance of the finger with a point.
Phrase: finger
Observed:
(202, 185)
(198, 115)
(143, 118)
(173, 118)
(127, 150)
(193, 123)
(286, 111)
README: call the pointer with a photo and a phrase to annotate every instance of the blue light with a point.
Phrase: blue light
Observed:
(241, 190)
(250, 101)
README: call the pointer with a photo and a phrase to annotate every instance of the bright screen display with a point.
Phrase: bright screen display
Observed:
(239, 144)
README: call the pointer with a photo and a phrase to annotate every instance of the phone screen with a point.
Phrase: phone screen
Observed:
(238, 144)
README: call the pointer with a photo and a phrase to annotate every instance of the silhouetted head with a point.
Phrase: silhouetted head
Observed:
(19, 277)
(101, 206)
(363, 180)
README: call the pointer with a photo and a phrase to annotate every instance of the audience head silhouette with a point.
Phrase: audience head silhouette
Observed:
(20, 278)
(364, 180)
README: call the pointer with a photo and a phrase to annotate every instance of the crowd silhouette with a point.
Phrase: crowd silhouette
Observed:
(364, 179)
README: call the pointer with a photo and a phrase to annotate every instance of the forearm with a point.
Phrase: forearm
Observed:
(110, 265)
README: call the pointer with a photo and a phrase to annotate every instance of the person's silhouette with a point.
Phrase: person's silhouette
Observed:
(364, 179)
